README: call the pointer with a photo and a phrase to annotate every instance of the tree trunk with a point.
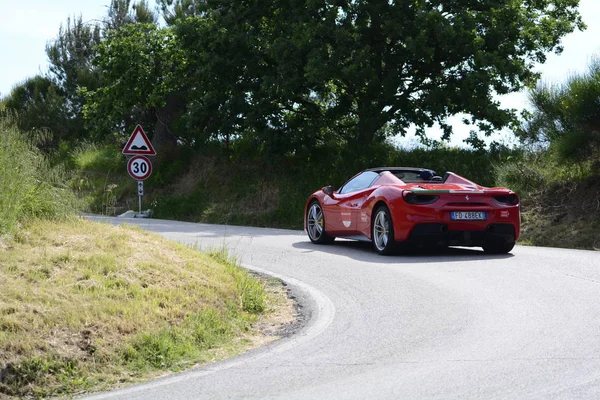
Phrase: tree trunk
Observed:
(163, 139)
(369, 122)
(362, 146)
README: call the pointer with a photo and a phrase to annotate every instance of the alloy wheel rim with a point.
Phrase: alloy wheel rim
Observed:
(381, 230)
(315, 222)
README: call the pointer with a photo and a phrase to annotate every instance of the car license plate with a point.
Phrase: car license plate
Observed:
(468, 215)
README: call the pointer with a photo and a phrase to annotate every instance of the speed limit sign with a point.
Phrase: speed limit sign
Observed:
(139, 167)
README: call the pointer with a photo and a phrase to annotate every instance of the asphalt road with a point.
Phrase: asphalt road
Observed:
(460, 325)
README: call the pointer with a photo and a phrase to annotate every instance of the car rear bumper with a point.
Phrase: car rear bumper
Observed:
(443, 234)
(434, 222)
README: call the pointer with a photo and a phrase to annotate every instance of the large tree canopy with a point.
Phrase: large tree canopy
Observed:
(290, 74)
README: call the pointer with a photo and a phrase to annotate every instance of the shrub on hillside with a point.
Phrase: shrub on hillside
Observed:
(521, 176)
(29, 187)
(537, 170)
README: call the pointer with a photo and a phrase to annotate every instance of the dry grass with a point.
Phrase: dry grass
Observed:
(201, 171)
(84, 305)
(563, 215)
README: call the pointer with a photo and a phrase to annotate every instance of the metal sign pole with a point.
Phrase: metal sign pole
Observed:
(140, 194)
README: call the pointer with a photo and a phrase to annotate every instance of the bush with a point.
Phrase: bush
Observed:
(29, 187)
(475, 165)
(100, 176)
(523, 176)
(534, 171)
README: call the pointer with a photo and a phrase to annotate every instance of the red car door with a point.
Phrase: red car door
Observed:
(360, 213)
(343, 212)
(338, 214)
(342, 208)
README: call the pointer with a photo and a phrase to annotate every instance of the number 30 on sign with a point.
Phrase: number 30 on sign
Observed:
(139, 167)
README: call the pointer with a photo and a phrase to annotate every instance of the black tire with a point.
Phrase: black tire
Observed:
(498, 247)
(382, 231)
(315, 224)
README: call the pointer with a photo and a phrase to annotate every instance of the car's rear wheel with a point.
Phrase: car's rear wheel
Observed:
(498, 247)
(315, 224)
(383, 231)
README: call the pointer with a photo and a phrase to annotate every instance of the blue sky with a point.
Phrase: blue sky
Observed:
(27, 26)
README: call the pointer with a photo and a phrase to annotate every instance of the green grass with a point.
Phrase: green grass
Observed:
(573, 230)
(85, 306)
(29, 186)
(100, 178)
(91, 156)
(251, 291)
(245, 191)
(239, 191)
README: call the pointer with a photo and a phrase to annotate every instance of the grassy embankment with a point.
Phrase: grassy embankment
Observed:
(85, 306)
(29, 188)
(560, 201)
(246, 192)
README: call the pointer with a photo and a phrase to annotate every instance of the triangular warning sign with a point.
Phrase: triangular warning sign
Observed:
(138, 143)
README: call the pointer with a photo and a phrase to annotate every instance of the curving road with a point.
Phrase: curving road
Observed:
(460, 325)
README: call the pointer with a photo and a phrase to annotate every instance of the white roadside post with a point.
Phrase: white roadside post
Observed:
(139, 166)
(140, 194)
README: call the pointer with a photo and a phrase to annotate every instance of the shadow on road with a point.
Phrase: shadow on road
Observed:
(195, 228)
(363, 251)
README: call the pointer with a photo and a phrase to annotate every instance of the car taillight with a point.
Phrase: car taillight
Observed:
(509, 199)
(413, 198)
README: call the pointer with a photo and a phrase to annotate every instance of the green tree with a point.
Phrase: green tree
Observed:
(72, 53)
(289, 76)
(70, 56)
(176, 10)
(38, 105)
(240, 94)
(139, 63)
(54, 103)
(367, 67)
(123, 12)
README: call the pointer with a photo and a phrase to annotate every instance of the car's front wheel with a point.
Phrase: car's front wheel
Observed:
(315, 224)
(383, 231)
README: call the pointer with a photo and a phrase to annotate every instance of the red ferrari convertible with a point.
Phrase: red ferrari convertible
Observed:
(413, 206)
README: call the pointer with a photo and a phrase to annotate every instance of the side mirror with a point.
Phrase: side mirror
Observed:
(328, 190)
